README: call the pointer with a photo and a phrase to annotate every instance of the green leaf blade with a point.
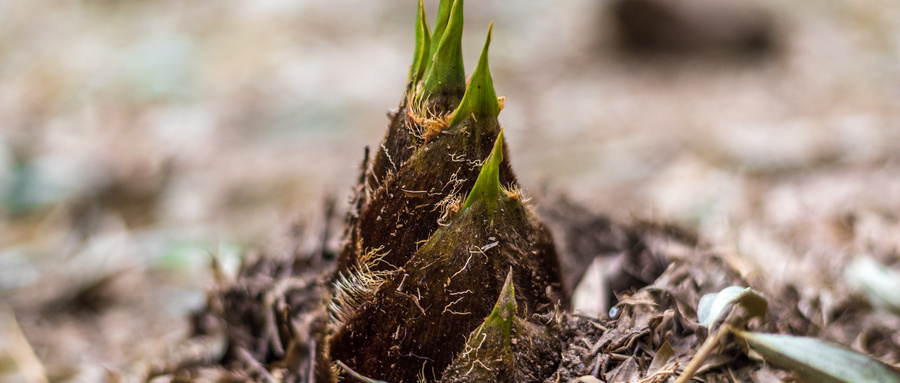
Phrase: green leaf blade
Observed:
(421, 54)
(880, 284)
(819, 361)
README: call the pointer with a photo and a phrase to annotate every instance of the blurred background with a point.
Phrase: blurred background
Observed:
(139, 139)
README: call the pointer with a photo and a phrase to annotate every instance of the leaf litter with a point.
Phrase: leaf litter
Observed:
(649, 335)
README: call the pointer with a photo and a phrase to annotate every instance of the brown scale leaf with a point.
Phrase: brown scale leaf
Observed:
(407, 206)
(446, 290)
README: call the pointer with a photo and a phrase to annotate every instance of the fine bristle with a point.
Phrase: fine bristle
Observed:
(355, 287)
(426, 122)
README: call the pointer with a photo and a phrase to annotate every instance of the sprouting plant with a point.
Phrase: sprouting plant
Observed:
(440, 206)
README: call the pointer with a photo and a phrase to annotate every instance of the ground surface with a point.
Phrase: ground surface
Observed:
(140, 138)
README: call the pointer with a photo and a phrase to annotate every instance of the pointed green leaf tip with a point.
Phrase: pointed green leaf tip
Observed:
(421, 55)
(487, 186)
(505, 308)
(447, 75)
(440, 24)
(480, 99)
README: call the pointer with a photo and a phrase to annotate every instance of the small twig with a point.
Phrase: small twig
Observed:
(312, 363)
(31, 369)
(704, 352)
(245, 357)
(271, 331)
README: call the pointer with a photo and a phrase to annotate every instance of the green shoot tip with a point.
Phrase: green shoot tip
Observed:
(505, 308)
(480, 100)
(440, 24)
(421, 54)
(447, 74)
(487, 186)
